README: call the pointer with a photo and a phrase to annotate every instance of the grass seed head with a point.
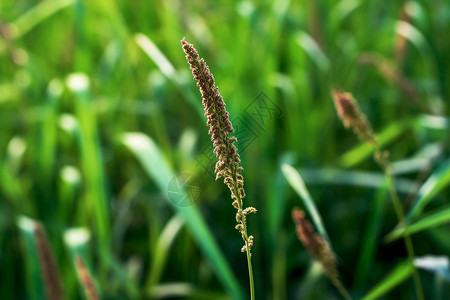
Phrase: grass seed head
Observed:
(315, 244)
(228, 164)
(50, 275)
(350, 114)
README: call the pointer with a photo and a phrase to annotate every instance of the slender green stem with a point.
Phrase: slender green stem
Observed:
(345, 294)
(401, 218)
(250, 274)
(247, 246)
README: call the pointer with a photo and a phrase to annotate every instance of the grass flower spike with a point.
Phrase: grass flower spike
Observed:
(49, 269)
(228, 165)
(318, 248)
(348, 111)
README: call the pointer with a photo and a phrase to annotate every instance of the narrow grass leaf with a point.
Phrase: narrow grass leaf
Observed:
(77, 242)
(167, 69)
(36, 15)
(296, 182)
(34, 283)
(412, 34)
(400, 273)
(183, 290)
(161, 251)
(353, 178)
(438, 218)
(433, 185)
(341, 11)
(309, 45)
(95, 194)
(155, 165)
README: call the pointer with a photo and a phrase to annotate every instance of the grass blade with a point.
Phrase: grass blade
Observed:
(438, 218)
(434, 184)
(374, 180)
(77, 242)
(162, 249)
(296, 182)
(37, 14)
(310, 46)
(34, 282)
(167, 69)
(400, 273)
(92, 163)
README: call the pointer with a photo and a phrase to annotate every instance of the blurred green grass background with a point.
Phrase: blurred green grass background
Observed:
(99, 112)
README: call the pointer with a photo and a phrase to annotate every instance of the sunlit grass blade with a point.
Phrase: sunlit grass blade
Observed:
(168, 70)
(12, 161)
(155, 165)
(296, 182)
(180, 290)
(161, 251)
(68, 192)
(310, 46)
(400, 273)
(47, 134)
(77, 240)
(353, 178)
(92, 163)
(437, 218)
(40, 252)
(36, 15)
(434, 184)
(413, 35)
(341, 11)
(33, 278)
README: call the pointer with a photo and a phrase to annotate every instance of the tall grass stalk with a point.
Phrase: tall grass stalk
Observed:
(351, 116)
(228, 165)
(401, 218)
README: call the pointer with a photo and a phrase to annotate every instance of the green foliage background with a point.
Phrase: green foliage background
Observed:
(98, 112)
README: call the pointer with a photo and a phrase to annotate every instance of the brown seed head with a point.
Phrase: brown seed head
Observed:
(317, 247)
(348, 111)
(49, 269)
(86, 279)
(228, 164)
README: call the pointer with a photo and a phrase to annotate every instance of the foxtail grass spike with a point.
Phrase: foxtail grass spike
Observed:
(318, 248)
(228, 164)
(348, 111)
(50, 275)
(86, 279)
